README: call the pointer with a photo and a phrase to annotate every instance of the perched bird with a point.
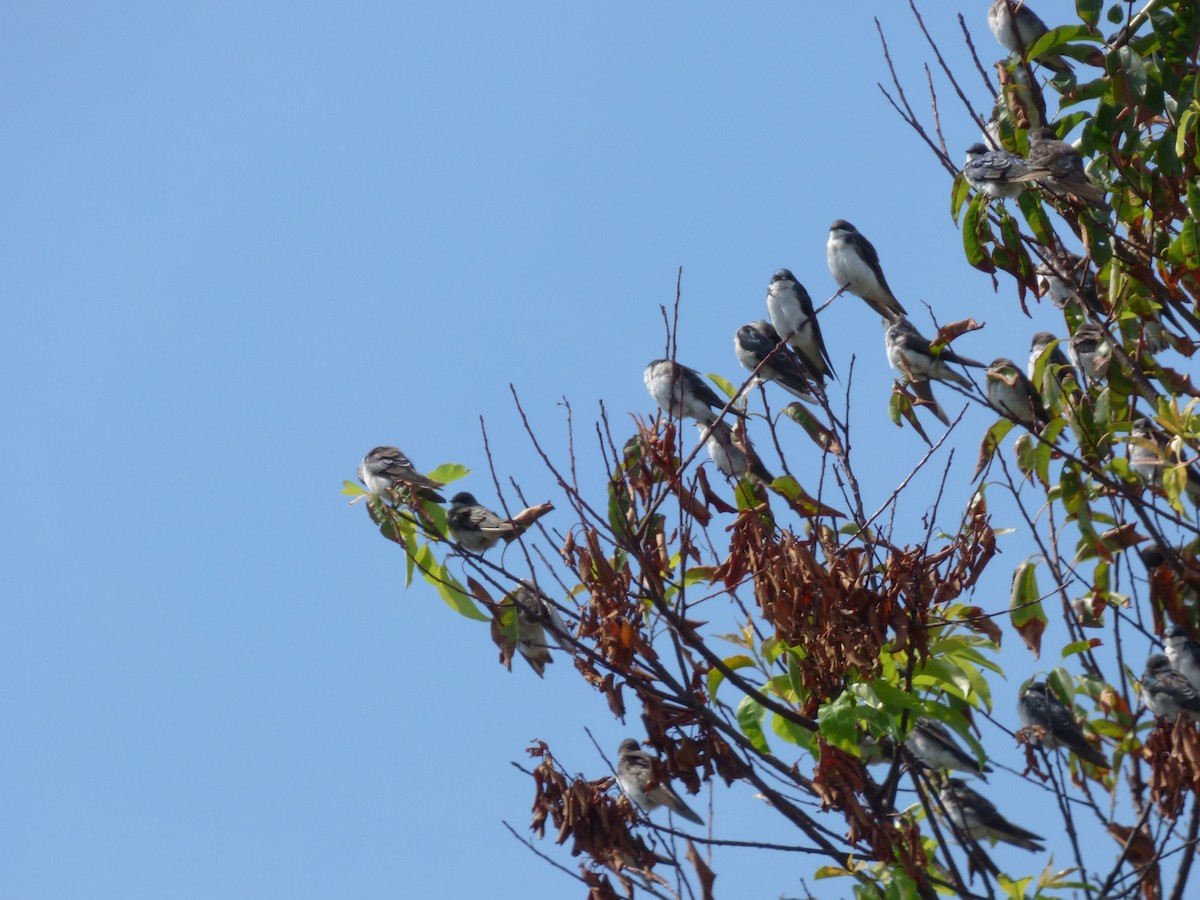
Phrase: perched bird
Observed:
(931, 743)
(726, 451)
(1067, 176)
(753, 343)
(635, 773)
(386, 468)
(1166, 692)
(476, 527)
(535, 615)
(912, 353)
(1184, 654)
(1011, 393)
(976, 816)
(1069, 279)
(1090, 352)
(1037, 349)
(1017, 28)
(680, 392)
(854, 265)
(998, 173)
(791, 312)
(1051, 724)
(1150, 453)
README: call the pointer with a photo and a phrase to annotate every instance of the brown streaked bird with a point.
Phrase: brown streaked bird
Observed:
(386, 468)
(1067, 176)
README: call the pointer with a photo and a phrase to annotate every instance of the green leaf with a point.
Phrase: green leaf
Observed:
(716, 676)
(447, 473)
(350, 489)
(959, 194)
(1030, 203)
(1089, 11)
(838, 722)
(1080, 647)
(1134, 70)
(991, 441)
(750, 714)
(447, 585)
(977, 233)
(723, 384)
(1025, 609)
(792, 733)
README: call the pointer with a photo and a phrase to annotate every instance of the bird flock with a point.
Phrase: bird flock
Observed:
(788, 350)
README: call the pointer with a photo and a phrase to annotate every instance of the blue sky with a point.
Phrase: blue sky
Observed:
(246, 243)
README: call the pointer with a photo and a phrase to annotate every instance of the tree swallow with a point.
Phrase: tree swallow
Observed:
(1040, 709)
(1184, 654)
(998, 173)
(1011, 393)
(911, 353)
(976, 816)
(791, 312)
(1037, 349)
(635, 773)
(536, 615)
(1069, 279)
(1067, 176)
(386, 468)
(755, 342)
(1017, 28)
(476, 527)
(854, 265)
(1150, 453)
(726, 451)
(680, 392)
(1167, 693)
(931, 743)
(1090, 352)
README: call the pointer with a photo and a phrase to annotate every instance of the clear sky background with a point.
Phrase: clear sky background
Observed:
(246, 242)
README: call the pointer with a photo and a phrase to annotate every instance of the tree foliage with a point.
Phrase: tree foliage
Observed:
(856, 625)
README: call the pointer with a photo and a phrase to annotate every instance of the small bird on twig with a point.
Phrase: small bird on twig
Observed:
(1017, 28)
(1051, 724)
(998, 173)
(476, 527)
(1166, 692)
(680, 392)
(854, 265)
(384, 469)
(636, 776)
(976, 816)
(1067, 176)
(931, 743)
(1010, 392)
(759, 340)
(791, 311)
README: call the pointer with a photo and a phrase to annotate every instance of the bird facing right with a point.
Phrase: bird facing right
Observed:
(854, 265)
(998, 173)
(476, 527)
(636, 776)
(1051, 724)
(1166, 692)
(384, 469)
(976, 816)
